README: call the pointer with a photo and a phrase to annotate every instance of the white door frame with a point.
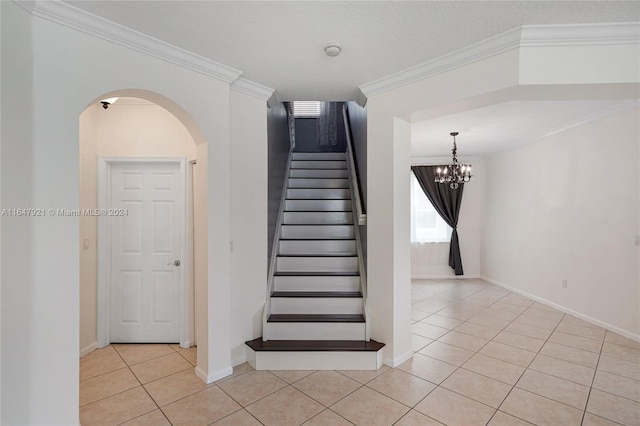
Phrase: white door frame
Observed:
(104, 248)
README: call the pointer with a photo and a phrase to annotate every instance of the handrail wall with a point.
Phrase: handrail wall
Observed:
(360, 218)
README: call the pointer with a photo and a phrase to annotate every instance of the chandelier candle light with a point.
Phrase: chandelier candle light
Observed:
(456, 173)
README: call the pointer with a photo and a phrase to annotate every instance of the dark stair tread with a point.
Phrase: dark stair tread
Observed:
(317, 239)
(259, 345)
(317, 224)
(315, 318)
(318, 255)
(319, 177)
(313, 187)
(332, 294)
(317, 274)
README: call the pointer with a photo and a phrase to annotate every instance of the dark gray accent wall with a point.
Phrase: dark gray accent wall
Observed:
(278, 153)
(358, 122)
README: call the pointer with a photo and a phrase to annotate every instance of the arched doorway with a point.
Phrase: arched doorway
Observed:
(145, 126)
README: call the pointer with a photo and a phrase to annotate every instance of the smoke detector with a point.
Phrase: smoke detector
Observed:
(332, 49)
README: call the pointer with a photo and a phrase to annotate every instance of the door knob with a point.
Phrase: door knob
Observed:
(174, 263)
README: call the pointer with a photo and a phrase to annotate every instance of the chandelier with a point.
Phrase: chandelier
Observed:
(455, 173)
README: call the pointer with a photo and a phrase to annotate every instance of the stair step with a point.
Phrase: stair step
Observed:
(321, 164)
(328, 303)
(318, 173)
(295, 182)
(317, 274)
(318, 205)
(318, 247)
(331, 232)
(318, 193)
(317, 218)
(314, 345)
(318, 156)
(316, 264)
(316, 283)
(322, 318)
(322, 294)
(315, 327)
(307, 354)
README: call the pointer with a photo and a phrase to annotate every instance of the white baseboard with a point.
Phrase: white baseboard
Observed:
(88, 349)
(564, 309)
(210, 378)
(394, 362)
(239, 360)
(444, 277)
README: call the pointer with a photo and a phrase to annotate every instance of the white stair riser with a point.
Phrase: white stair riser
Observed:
(296, 164)
(318, 193)
(318, 218)
(315, 331)
(316, 305)
(290, 360)
(318, 247)
(318, 183)
(317, 231)
(318, 173)
(317, 264)
(316, 283)
(318, 156)
(317, 205)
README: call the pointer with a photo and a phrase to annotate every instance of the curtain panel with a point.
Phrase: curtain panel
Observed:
(446, 202)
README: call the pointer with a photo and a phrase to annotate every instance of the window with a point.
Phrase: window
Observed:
(426, 224)
(306, 109)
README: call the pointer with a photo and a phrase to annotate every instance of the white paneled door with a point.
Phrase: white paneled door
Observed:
(146, 222)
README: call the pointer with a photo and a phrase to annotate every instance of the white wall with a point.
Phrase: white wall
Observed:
(249, 178)
(567, 208)
(388, 216)
(51, 73)
(129, 130)
(431, 260)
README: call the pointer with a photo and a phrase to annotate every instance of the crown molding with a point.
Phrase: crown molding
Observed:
(580, 34)
(492, 46)
(251, 88)
(525, 36)
(88, 23)
(27, 5)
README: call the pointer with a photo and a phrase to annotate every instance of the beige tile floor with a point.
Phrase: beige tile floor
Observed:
(483, 356)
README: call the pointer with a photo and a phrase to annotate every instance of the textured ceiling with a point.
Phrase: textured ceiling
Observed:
(280, 44)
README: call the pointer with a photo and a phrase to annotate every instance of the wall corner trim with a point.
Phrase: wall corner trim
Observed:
(566, 310)
(88, 349)
(524, 36)
(251, 88)
(394, 362)
(88, 23)
(210, 378)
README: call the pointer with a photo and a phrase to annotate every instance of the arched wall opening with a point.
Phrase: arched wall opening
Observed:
(139, 124)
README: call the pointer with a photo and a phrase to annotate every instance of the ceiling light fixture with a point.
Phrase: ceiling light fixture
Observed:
(455, 173)
(106, 102)
(332, 49)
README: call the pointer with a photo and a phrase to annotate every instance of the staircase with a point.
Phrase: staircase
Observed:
(315, 316)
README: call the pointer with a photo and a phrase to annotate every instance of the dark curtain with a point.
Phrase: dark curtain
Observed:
(447, 202)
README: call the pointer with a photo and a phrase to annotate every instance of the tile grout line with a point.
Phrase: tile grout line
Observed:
(145, 390)
(527, 368)
(460, 366)
(593, 379)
